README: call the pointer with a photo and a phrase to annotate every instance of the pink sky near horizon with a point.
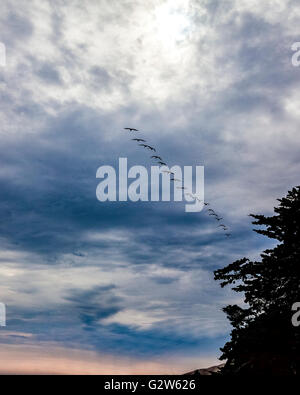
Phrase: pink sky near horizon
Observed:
(51, 359)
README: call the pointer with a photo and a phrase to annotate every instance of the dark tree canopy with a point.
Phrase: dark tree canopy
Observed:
(263, 339)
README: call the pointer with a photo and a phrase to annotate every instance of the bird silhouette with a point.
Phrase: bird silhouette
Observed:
(197, 198)
(148, 147)
(168, 172)
(139, 140)
(131, 129)
(156, 157)
(151, 148)
(162, 163)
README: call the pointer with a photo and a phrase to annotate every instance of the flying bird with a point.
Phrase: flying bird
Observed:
(151, 148)
(148, 147)
(181, 188)
(131, 129)
(175, 179)
(197, 198)
(139, 140)
(156, 157)
(169, 172)
(162, 163)
(193, 196)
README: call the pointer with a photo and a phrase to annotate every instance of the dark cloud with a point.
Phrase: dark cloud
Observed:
(16, 26)
(48, 200)
(100, 77)
(61, 325)
(49, 74)
(95, 304)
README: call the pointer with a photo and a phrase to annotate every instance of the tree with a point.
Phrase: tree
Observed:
(263, 339)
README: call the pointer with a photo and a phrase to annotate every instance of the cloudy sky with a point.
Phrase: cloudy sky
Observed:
(128, 287)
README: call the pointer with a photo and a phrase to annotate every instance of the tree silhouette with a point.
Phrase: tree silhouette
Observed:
(263, 339)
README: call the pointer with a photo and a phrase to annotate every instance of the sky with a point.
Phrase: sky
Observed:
(123, 287)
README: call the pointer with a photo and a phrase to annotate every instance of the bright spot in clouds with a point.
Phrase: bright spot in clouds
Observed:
(173, 23)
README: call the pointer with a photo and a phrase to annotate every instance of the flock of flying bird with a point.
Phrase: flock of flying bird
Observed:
(160, 161)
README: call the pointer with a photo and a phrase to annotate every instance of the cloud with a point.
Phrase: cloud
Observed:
(49, 74)
(94, 304)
